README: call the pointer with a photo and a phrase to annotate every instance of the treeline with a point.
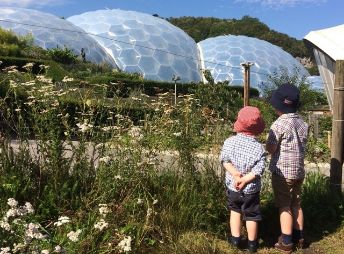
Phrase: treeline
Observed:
(201, 28)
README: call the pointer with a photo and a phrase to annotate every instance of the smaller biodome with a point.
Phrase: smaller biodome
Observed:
(223, 56)
(49, 31)
(316, 82)
(142, 43)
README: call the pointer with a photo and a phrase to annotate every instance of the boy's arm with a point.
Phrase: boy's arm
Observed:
(232, 170)
(272, 141)
(271, 148)
(257, 171)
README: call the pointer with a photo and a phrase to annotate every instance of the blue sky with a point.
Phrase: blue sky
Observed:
(293, 17)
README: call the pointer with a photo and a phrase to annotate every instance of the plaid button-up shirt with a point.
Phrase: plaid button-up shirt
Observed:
(289, 132)
(247, 155)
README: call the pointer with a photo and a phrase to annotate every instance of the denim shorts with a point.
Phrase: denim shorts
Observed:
(248, 205)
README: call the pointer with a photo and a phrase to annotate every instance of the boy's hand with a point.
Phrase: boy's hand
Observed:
(240, 184)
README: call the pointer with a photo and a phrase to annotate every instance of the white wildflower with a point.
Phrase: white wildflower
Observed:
(5, 225)
(5, 250)
(84, 127)
(67, 79)
(32, 231)
(29, 207)
(12, 202)
(58, 249)
(105, 159)
(44, 79)
(62, 220)
(177, 134)
(45, 252)
(13, 212)
(149, 212)
(101, 224)
(110, 128)
(139, 201)
(74, 235)
(118, 177)
(125, 244)
(13, 84)
(155, 201)
(99, 146)
(135, 132)
(28, 66)
(18, 248)
(103, 209)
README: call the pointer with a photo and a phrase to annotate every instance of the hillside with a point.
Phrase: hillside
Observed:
(200, 28)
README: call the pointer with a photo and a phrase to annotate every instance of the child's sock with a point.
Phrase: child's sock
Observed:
(287, 239)
(297, 234)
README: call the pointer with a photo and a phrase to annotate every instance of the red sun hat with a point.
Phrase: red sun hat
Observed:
(249, 121)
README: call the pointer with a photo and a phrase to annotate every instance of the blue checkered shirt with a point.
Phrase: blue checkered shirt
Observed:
(289, 132)
(247, 155)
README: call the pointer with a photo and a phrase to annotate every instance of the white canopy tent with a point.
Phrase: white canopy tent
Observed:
(328, 47)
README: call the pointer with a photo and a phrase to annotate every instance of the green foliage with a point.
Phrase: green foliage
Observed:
(308, 96)
(323, 209)
(201, 28)
(64, 56)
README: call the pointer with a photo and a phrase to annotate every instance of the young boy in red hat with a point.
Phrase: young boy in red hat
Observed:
(286, 143)
(243, 157)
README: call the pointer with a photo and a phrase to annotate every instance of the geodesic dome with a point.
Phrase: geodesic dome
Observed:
(223, 56)
(50, 31)
(143, 43)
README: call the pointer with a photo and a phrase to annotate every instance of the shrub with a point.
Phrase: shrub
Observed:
(64, 56)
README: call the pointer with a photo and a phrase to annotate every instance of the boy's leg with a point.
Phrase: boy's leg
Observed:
(286, 221)
(297, 217)
(282, 192)
(234, 205)
(252, 229)
(235, 223)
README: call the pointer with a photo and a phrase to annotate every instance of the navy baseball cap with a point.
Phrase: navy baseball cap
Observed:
(286, 98)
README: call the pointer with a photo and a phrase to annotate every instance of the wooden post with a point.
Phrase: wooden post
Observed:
(246, 66)
(337, 129)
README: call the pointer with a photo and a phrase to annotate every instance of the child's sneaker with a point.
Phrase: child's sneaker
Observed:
(252, 246)
(299, 243)
(234, 241)
(285, 248)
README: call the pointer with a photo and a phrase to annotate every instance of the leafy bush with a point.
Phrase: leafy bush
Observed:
(64, 56)
(309, 97)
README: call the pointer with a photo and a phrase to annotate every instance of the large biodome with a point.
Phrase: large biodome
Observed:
(223, 56)
(143, 43)
(49, 31)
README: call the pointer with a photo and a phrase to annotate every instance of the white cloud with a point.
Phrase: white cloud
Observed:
(30, 3)
(282, 3)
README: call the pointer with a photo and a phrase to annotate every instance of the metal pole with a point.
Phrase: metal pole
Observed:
(175, 79)
(337, 129)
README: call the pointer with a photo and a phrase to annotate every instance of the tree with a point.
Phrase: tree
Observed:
(309, 97)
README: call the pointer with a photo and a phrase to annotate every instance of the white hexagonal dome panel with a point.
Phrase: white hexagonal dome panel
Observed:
(143, 43)
(50, 31)
(223, 55)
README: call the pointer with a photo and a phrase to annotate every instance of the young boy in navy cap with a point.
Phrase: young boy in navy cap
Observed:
(286, 143)
(243, 157)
